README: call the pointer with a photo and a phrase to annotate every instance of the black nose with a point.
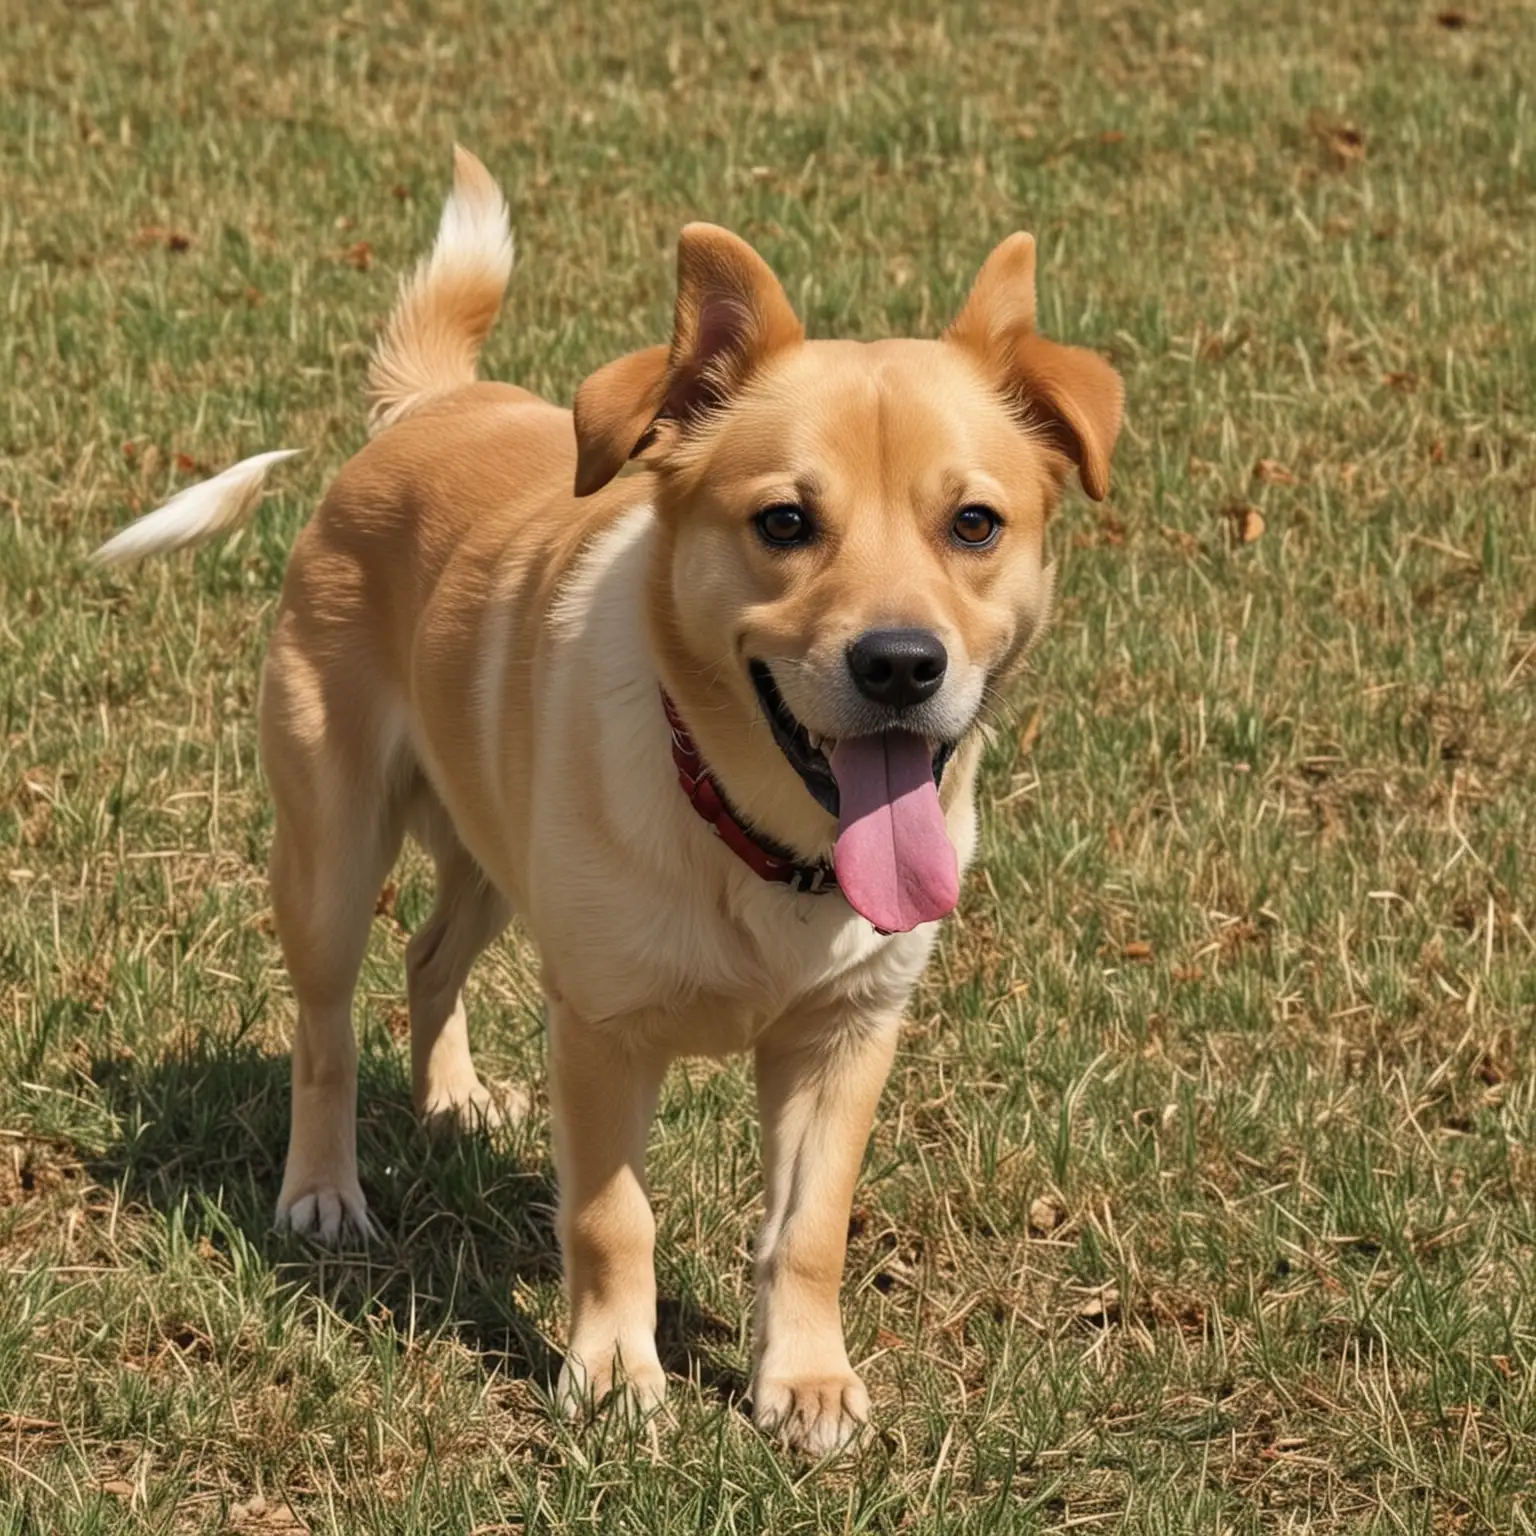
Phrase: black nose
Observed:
(899, 667)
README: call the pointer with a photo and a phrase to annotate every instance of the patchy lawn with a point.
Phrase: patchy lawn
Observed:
(1204, 1193)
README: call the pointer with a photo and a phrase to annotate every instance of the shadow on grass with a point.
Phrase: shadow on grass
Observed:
(467, 1217)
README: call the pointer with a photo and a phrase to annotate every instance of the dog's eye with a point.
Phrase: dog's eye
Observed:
(784, 526)
(975, 527)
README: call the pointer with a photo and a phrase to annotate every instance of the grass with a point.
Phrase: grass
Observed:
(1203, 1197)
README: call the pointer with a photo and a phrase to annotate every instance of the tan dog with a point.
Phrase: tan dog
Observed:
(826, 561)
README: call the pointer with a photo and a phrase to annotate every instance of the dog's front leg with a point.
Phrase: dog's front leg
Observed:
(603, 1084)
(817, 1087)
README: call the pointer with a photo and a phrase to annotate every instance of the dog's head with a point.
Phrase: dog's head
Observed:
(851, 550)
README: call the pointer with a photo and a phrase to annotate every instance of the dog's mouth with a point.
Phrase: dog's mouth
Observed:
(803, 750)
(808, 753)
(894, 860)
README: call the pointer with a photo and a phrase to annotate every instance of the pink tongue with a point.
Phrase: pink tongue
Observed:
(894, 860)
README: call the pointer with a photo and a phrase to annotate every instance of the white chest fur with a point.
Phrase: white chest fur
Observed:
(670, 927)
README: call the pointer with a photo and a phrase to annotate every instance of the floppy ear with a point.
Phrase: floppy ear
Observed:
(731, 317)
(614, 410)
(1070, 394)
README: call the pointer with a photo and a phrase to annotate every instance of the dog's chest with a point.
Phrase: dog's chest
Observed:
(641, 913)
(698, 976)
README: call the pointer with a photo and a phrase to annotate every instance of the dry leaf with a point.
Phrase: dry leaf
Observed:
(1187, 973)
(24, 1423)
(257, 1514)
(1046, 1213)
(118, 1488)
(358, 255)
(1452, 20)
(177, 240)
(1229, 341)
(1343, 142)
(1137, 949)
(1103, 1309)
(1031, 732)
(1244, 522)
(1111, 530)
(1405, 380)
(1273, 472)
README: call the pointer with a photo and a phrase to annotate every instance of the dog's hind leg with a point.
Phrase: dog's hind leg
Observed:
(340, 823)
(469, 913)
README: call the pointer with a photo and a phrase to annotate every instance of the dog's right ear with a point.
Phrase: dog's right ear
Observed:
(731, 317)
(1069, 395)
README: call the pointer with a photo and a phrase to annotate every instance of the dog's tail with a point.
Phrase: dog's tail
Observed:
(200, 512)
(429, 347)
(448, 305)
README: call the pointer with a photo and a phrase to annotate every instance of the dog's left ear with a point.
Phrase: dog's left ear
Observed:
(731, 317)
(1069, 393)
(614, 411)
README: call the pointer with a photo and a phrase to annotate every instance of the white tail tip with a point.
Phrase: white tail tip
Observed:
(475, 230)
(447, 306)
(198, 513)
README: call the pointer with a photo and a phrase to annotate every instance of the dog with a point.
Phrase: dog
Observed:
(693, 680)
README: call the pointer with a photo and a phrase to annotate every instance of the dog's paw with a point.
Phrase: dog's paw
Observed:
(606, 1381)
(328, 1215)
(815, 1415)
(473, 1109)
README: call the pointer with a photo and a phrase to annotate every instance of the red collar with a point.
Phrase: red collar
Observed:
(765, 859)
